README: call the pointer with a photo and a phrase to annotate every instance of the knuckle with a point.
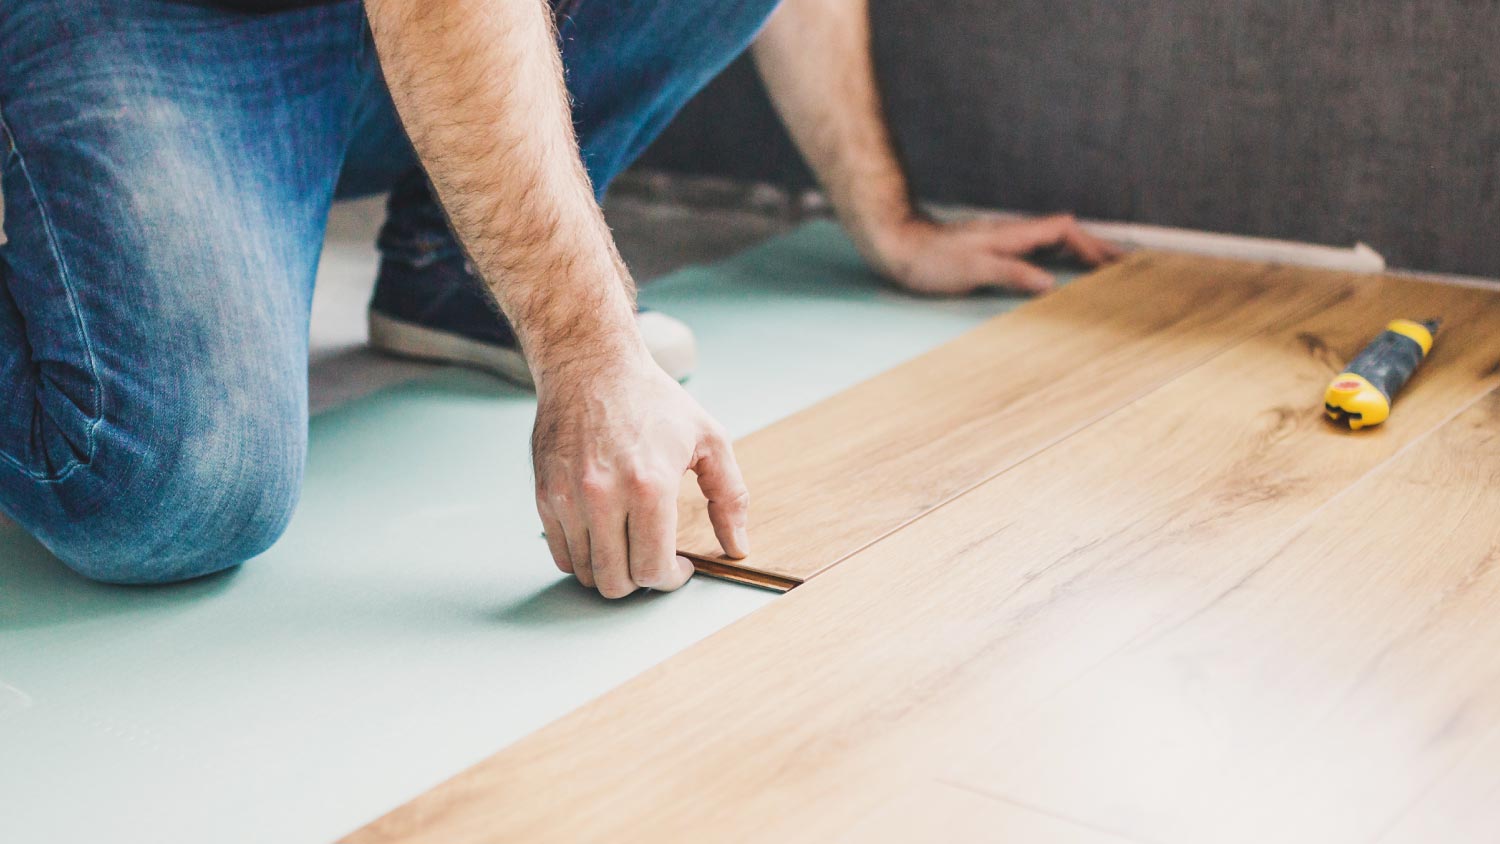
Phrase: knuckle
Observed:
(650, 575)
(651, 486)
(614, 590)
(595, 487)
(646, 485)
(612, 576)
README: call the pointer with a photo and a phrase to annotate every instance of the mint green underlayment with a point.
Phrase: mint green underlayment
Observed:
(411, 622)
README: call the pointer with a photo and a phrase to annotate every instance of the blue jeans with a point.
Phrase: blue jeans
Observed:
(167, 172)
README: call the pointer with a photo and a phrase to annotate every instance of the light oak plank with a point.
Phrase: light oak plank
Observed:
(935, 811)
(834, 478)
(1464, 802)
(929, 645)
(1318, 697)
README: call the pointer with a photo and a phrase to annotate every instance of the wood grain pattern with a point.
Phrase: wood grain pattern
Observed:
(912, 438)
(927, 655)
(1334, 681)
(935, 811)
(1462, 799)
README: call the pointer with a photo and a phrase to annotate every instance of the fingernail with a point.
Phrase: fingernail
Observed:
(742, 539)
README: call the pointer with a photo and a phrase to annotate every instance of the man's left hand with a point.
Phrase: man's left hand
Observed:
(950, 259)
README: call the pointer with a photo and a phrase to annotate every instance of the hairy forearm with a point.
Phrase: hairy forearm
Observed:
(816, 60)
(478, 85)
(814, 56)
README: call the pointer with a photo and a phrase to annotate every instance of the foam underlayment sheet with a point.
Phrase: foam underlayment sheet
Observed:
(410, 623)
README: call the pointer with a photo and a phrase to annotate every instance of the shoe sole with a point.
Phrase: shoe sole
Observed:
(674, 348)
(416, 342)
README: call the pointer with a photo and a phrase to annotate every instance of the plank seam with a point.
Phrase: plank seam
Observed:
(1028, 456)
(1045, 812)
(1427, 788)
(1303, 524)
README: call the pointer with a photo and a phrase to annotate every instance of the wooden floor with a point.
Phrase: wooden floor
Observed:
(846, 472)
(1099, 571)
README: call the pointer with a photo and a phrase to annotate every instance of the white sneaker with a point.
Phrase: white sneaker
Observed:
(670, 341)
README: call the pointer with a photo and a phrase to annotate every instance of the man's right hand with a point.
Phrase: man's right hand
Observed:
(613, 440)
(479, 87)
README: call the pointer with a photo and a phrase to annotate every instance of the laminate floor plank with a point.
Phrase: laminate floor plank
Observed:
(1465, 798)
(924, 653)
(1338, 684)
(935, 811)
(936, 426)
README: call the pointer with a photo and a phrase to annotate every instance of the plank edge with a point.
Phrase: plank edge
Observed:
(741, 574)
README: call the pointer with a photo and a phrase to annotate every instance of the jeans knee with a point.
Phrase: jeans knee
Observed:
(194, 509)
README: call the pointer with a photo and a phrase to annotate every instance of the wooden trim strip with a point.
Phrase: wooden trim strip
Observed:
(736, 574)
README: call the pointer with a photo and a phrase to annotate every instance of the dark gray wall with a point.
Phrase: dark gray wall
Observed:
(1323, 120)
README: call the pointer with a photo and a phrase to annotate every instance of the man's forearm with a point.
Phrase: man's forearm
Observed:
(814, 56)
(478, 85)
